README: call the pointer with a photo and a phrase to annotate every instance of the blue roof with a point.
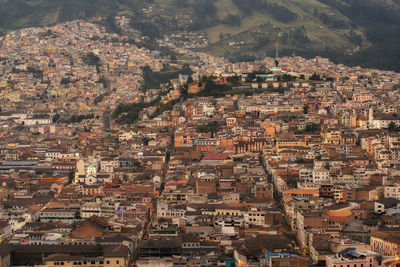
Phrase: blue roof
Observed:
(355, 254)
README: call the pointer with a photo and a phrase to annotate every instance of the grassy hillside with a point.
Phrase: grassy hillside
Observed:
(15, 14)
(242, 29)
(306, 12)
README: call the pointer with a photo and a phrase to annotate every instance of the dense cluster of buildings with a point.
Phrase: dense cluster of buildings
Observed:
(304, 172)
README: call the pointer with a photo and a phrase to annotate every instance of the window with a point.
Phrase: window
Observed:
(101, 262)
(108, 262)
(117, 262)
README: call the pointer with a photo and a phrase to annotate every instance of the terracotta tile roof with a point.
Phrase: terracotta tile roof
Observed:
(302, 191)
(34, 207)
(337, 216)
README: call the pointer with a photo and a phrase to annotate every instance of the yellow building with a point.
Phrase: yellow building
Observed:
(113, 258)
(386, 243)
(332, 136)
(285, 143)
(348, 139)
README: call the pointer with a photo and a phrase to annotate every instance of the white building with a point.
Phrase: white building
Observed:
(320, 176)
(392, 191)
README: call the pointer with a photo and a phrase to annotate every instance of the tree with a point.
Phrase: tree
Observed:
(315, 77)
(91, 59)
(211, 127)
(56, 117)
(288, 78)
(145, 140)
(251, 76)
(232, 20)
(312, 127)
(183, 90)
(186, 70)
(65, 80)
(153, 79)
(173, 58)
(393, 128)
(233, 79)
(112, 25)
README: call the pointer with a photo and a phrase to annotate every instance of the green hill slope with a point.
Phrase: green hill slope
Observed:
(351, 31)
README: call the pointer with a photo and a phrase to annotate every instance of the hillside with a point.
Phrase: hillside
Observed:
(351, 31)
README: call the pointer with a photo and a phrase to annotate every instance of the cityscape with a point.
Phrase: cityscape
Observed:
(120, 151)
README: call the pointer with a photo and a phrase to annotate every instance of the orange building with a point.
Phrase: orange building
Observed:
(55, 178)
(228, 143)
(254, 145)
(92, 190)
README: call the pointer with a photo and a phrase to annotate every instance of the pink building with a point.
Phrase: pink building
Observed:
(352, 258)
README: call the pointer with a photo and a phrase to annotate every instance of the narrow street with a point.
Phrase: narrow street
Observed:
(281, 208)
(153, 211)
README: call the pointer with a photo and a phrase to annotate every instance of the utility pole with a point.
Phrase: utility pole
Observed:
(277, 50)
(277, 46)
